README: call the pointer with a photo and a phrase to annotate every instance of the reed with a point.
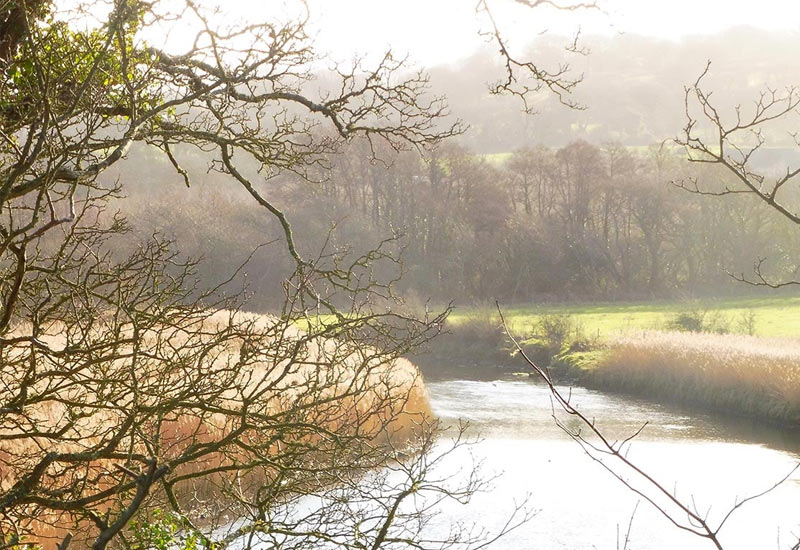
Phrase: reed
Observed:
(331, 387)
(736, 374)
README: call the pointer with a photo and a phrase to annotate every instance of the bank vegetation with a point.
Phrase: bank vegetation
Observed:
(701, 367)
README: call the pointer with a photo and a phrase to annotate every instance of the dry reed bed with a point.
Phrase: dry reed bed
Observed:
(743, 375)
(392, 403)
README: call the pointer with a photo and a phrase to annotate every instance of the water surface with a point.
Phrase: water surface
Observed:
(579, 506)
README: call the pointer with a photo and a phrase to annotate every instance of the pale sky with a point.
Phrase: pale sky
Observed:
(443, 31)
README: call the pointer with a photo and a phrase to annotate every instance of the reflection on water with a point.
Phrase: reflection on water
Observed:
(582, 506)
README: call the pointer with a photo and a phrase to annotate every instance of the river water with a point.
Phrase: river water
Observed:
(579, 505)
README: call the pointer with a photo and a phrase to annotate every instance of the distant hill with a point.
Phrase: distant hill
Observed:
(632, 89)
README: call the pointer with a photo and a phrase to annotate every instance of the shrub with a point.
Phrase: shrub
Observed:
(699, 320)
(687, 321)
(747, 322)
(557, 330)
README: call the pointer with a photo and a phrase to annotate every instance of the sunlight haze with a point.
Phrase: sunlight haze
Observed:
(443, 31)
(397, 275)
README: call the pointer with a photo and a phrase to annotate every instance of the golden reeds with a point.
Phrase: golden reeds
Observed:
(352, 391)
(743, 375)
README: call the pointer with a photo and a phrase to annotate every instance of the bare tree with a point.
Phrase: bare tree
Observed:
(137, 402)
(525, 78)
(732, 141)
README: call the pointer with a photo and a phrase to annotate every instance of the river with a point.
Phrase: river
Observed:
(580, 506)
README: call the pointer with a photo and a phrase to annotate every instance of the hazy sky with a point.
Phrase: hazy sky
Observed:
(442, 31)
(437, 31)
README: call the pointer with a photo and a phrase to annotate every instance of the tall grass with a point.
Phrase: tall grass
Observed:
(354, 392)
(743, 375)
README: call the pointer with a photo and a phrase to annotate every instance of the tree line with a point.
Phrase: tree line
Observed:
(584, 221)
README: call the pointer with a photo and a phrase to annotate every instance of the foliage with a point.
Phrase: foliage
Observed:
(162, 531)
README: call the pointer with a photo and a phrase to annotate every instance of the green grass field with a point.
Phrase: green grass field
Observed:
(772, 316)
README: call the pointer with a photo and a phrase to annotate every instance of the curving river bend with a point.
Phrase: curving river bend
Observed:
(580, 506)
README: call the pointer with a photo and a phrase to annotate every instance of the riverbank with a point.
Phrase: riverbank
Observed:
(726, 374)
(746, 376)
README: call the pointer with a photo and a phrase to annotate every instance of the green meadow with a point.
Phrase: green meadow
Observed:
(761, 316)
